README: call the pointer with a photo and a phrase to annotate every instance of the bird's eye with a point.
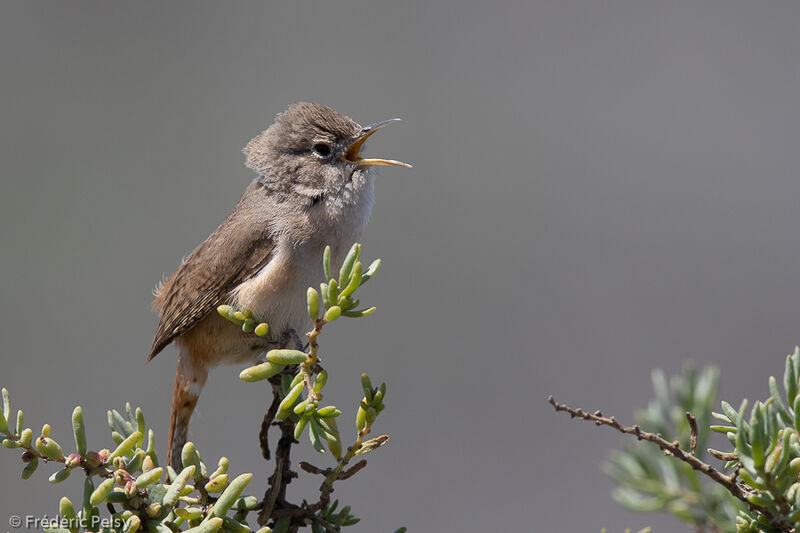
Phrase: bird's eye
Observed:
(321, 149)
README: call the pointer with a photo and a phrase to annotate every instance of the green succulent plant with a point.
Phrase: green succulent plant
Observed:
(126, 490)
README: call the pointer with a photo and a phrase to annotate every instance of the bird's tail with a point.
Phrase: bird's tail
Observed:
(189, 381)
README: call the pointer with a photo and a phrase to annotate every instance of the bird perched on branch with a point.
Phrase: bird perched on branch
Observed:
(313, 189)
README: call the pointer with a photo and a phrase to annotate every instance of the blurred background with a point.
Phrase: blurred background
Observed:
(599, 189)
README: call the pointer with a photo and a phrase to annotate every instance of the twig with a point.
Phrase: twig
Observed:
(205, 499)
(353, 470)
(282, 475)
(723, 456)
(334, 474)
(311, 469)
(692, 432)
(313, 358)
(350, 472)
(269, 416)
(670, 448)
(275, 505)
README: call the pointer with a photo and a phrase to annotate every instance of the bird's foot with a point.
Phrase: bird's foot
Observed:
(298, 344)
(291, 336)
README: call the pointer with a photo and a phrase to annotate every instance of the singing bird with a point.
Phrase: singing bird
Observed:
(312, 189)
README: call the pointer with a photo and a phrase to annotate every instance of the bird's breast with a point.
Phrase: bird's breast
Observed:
(275, 293)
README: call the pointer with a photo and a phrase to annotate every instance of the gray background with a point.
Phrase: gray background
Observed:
(599, 188)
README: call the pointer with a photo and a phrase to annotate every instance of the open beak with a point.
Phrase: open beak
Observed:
(351, 155)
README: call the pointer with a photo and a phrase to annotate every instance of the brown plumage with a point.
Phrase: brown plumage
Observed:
(231, 255)
(312, 189)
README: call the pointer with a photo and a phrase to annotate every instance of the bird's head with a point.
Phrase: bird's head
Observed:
(314, 151)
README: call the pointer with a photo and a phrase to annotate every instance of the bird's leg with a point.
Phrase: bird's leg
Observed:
(291, 335)
(298, 344)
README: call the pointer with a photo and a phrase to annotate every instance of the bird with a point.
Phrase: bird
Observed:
(312, 189)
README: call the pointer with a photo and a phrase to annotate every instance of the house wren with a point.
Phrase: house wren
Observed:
(313, 189)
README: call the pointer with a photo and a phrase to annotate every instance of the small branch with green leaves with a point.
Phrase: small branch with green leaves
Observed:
(369, 408)
(140, 495)
(299, 394)
(763, 486)
(672, 448)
